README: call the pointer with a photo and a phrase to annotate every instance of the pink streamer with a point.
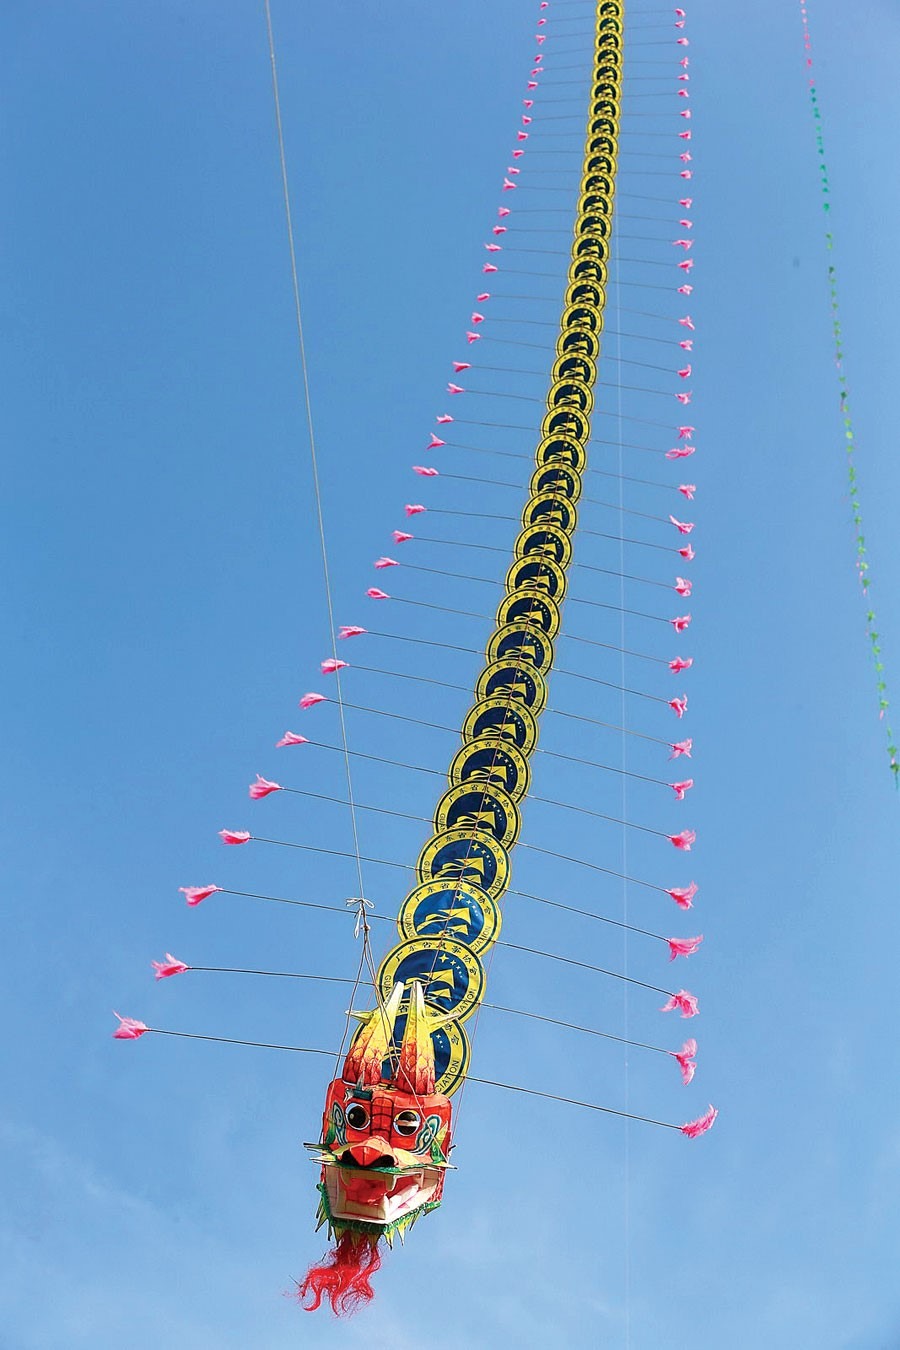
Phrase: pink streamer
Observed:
(375, 594)
(129, 1029)
(682, 526)
(683, 587)
(683, 946)
(263, 787)
(687, 490)
(683, 895)
(683, 840)
(687, 553)
(681, 748)
(681, 788)
(459, 367)
(678, 706)
(235, 836)
(685, 1057)
(680, 452)
(310, 700)
(455, 389)
(681, 623)
(194, 894)
(289, 738)
(414, 508)
(685, 372)
(682, 1002)
(680, 663)
(685, 290)
(694, 1128)
(443, 418)
(171, 966)
(331, 664)
(473, 337)
(425, 471)
(381, 563)
(401, 536)
(435, 443)
(349, 630)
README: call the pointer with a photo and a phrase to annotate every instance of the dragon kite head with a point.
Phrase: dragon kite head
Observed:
(384, 1145)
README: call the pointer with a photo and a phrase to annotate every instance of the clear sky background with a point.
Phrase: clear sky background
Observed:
(164, 610)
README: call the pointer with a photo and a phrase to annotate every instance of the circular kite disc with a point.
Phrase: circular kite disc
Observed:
(465, 855)
(438, 910)
(509, 679)
(451, 973)
(480, 807)
(537, 574)
(519, 641)
(532, 608)
(496, 764)
(556, 478)
(546, 540)
(503, 720)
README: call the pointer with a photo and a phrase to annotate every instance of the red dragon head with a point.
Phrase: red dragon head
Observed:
(383, 1150)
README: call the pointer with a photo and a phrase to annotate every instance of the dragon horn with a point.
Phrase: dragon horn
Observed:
(370, 1046)
(415, 1071)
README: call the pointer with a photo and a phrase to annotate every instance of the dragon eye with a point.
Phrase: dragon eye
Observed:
(357, 1116)
(407, 1122)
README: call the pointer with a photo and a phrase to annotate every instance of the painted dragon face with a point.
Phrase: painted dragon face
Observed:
(385, 1131)
(383, 1153)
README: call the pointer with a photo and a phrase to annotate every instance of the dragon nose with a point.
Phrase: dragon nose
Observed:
(367, 1155)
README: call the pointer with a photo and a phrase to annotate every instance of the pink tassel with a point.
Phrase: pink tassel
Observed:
(685, 373)
(349, 630)
(375, 594)
(171, 966)
(694, 1128)
(686, 158)
(683, 243)
(680, 663)
(459, 367)
(687, 345)
(680, 452)
(683, 1002)
(685, 290)
(494, 248)
(681, 14)
(332, 664)
(687, 490)
(473, 337)
(443, 418)
(499, 229)
(683, 840)
(684, 398)
(683, 42)
(489, 267)
(686, 202)
(129, 1029)
(262, 787)
(401, 536)
(540, 37)
(435, 443)
(681, 748)
(686, 173)
(414, 508)
(687, 322)
(194, 894)
(289, 738)
(424, 471)
(683, 587)
(486, 295)
(455, 389)
(526, 121)
(522, 135)
(683, 895)
(532, 84)
(477, 318)
(688, 224)
(685, 1057)
(682, 623)
(386, 562)
(688, 263)
(235, 836)
(681, 788)
(685, 62)
(310, 700)
(528, 102)
(687, 553)
(678, 706)
(683, 946)
(517, 154)
(682, 526)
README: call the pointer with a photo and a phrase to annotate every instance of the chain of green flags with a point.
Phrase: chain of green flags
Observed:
(862, 563)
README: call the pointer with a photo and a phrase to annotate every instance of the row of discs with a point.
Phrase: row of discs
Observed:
(452, 916)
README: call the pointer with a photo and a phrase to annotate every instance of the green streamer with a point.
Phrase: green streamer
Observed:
(862, 562)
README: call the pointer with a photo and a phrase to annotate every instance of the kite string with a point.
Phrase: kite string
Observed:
(366, 955)
(862, 565)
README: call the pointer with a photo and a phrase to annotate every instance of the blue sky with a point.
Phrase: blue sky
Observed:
(164, 610)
